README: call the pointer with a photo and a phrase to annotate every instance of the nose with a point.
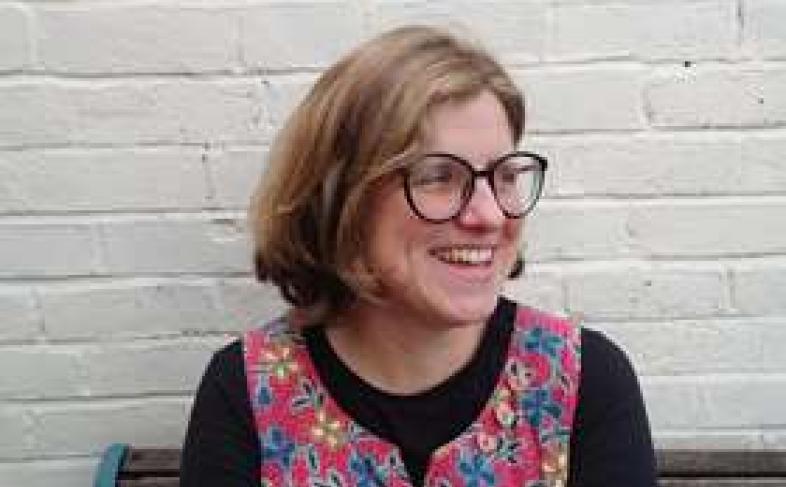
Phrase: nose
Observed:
(482, 209)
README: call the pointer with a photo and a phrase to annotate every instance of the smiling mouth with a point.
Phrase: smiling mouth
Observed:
(465, 255)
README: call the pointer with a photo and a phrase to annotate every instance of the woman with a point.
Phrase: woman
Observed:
(390, 217)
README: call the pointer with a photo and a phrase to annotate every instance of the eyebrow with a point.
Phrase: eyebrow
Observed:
(489, 162)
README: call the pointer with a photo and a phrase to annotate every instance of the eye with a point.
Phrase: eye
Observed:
(511, 172)
(508, 174)
(436, 171)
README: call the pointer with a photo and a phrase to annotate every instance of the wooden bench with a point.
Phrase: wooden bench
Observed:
(126, 466)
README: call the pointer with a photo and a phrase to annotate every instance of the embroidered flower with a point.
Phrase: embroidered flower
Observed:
(536, 370)
(503, 410)
(539, 340)
(280, 361)
(476, 469)
(505, 414)
(264, 395)
(366, 471)
(487, 443)
(278, 448)
(327, 430)
(537, 404)
(517, 377)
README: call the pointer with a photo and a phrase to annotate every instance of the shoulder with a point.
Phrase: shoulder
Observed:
(222, 389)
(611, 439)
(608, 386)
(226, 364)
(605, 366)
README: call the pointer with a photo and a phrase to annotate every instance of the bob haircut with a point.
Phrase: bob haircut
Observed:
(364, 119)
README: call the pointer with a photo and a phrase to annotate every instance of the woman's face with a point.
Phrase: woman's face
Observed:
(448, 273)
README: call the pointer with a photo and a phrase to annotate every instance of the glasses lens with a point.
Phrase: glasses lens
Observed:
(437, 185)
(518, 181)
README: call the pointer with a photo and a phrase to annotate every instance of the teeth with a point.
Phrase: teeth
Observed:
(463, 255)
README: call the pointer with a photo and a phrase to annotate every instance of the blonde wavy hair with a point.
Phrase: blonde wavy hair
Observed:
(363, 119)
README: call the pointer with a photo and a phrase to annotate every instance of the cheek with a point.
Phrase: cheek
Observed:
(392, 232)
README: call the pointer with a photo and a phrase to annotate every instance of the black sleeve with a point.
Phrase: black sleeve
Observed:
(611, 443)
(220, 447)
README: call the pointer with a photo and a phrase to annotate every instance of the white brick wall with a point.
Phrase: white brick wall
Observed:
(102, 39)
(15, 43)
(664, 30)
(131, 134)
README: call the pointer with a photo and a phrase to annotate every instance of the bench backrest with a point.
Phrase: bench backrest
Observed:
(126, 466)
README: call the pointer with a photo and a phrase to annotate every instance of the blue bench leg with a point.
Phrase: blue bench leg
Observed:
(109, 468)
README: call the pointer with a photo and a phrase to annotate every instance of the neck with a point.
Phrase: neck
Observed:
(401, 355)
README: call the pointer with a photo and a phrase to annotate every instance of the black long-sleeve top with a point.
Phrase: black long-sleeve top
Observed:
(610, 444)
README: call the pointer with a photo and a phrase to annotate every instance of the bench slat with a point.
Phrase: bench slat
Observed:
(722, 482)
(150, 482)
(152, 461)
(722, 463)
(160, 467)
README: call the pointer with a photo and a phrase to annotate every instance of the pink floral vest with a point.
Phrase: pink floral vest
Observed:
(520, 438)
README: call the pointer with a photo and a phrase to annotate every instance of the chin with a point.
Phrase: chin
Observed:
(464, 312)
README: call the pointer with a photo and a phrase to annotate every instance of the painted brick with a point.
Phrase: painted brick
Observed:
(760, 289)
(702, 346)
(704, 439)
(298, 34)
(86, 429)
(17, 440)
(40, 372)
(720, 402)
(285, 93)
(662, 30)
(565, 230)
(21, 320)
(773, 439)
(248, 303)
(150, 38)
(15, 47)
(125, 309)
(663, 166)
(707, 228)
(167, 245)
(740, 97)
(235, 174)
(540, 289)
(97, 180)
(764, 33)
(514, 31)
(607, 2)
(628, 292)
(131, 111)
(46, 248)
(48, 472)
(171, 366)
(580, 99)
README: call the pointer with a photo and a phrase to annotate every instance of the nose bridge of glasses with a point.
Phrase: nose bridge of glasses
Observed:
(476, 190)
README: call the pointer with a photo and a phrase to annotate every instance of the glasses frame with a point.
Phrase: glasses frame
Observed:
(488, 175)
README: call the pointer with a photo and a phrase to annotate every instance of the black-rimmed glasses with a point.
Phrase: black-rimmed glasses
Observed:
(439, 185)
